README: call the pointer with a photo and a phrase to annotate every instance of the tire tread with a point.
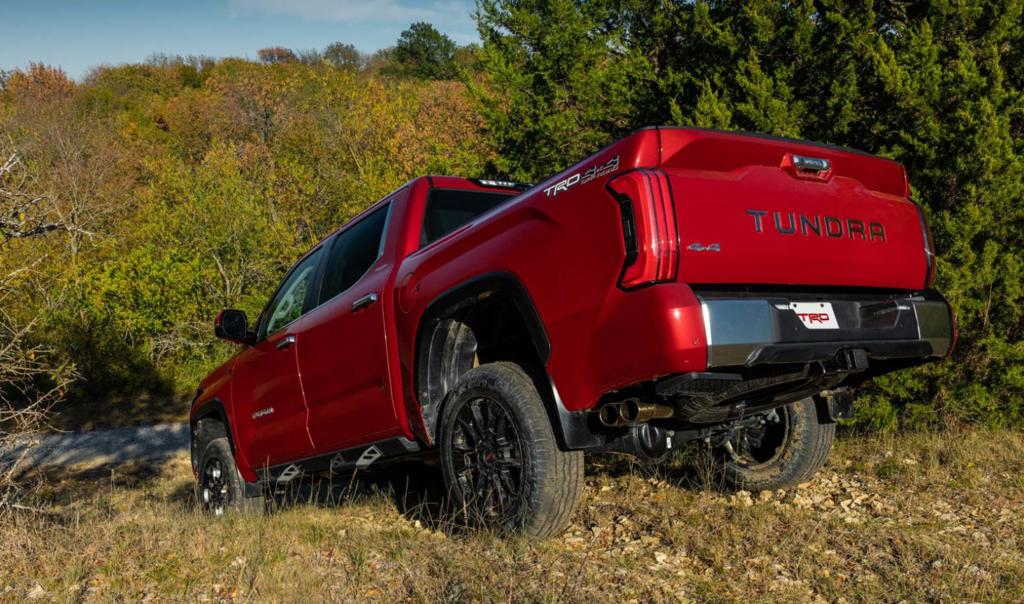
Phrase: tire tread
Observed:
(809, 446)
(553, 501)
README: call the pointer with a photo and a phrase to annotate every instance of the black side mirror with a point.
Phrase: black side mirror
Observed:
(231, 325)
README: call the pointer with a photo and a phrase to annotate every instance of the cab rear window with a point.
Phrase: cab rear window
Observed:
(448, 209)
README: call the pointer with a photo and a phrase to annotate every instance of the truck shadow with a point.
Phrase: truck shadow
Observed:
(414, 489)
(417, 490)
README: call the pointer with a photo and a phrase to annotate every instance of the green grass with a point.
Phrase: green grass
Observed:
(886, 520)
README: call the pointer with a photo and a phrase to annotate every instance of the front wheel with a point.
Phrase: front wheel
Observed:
(501, 461)
(219, 486)
(787, 449)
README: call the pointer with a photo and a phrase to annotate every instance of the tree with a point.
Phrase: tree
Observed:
(343, 56)
(70, 151)
(425, 53)
(276, 54)
(29, 384)
(309, 56)
(559, 86)
(938, 87)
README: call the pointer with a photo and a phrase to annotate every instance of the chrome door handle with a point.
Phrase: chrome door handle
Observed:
(286, 342)
(365, 302)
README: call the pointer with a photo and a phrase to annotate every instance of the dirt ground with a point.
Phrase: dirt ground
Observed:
(920, 518)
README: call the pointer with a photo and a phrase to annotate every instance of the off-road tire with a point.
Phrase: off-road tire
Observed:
(551, 480)
(213, 447)
(807, 443)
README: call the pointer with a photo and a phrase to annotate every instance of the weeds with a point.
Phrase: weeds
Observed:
(886, 520)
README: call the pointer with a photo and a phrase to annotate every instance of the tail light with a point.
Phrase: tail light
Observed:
(648, 227)
(929, 248)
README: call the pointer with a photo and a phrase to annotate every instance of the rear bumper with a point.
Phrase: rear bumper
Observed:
(754, 331)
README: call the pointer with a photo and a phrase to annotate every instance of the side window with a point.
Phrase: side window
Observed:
(354, 251)
(449, 209)
(288, 303)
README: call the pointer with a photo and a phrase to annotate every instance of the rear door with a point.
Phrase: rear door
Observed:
(270, 412)
(342, 346)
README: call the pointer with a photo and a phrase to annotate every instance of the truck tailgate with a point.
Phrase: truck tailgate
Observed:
(748, 212)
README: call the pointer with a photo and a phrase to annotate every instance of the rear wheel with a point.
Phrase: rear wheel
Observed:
(501, 461)
(787, 449)
(219, 486)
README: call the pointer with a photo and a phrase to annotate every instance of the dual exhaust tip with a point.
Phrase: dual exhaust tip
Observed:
(631, 412)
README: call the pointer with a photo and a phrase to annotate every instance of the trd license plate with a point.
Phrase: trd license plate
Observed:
(815, 315)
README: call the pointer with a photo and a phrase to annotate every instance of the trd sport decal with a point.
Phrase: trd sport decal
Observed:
(583, 177)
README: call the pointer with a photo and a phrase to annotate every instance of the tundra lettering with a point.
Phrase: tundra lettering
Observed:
(821, 226)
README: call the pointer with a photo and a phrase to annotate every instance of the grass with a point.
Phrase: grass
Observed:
(919, 518)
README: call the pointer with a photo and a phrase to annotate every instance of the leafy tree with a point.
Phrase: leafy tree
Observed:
(343, 56)
(937, 86)
(177, 197)
(558, 86)
(468, 58)
(31, 380)
(309, 56)
(425, 53)
(276, 54)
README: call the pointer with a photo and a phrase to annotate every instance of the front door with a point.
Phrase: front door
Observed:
(269, 407)
(342, 346)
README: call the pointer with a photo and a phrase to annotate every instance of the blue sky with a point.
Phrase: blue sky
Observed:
(77, 35)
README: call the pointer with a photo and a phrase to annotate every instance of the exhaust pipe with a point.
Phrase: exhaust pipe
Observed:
(632, 411)
(610, 415)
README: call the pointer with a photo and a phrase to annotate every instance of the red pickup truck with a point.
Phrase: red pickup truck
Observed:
(681, 285)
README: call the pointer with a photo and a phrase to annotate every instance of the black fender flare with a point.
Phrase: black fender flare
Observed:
(210, 408)
(435, 331)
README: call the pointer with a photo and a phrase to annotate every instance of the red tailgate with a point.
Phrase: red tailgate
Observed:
(754, 210)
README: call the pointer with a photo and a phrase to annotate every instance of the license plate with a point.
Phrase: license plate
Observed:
(815, 315)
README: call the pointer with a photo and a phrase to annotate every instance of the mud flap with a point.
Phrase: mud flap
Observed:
(834, 405)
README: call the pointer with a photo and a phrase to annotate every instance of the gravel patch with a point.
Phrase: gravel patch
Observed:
(98, 447)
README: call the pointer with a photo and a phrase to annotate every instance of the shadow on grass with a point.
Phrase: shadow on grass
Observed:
(118, 411)
(416, 490)
(60, 493)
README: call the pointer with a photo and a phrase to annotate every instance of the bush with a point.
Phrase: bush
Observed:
(935, 86)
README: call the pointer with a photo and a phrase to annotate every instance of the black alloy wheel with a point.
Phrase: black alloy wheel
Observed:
(488, 460)
(214, 494)
(501, 460)
(220, 488)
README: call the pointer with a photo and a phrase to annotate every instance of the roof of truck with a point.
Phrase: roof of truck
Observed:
(784, 139)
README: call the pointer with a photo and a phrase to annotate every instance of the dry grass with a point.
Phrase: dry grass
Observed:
(923, 518)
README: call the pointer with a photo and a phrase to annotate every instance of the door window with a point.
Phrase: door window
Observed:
(290, 299)
(354, 252)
